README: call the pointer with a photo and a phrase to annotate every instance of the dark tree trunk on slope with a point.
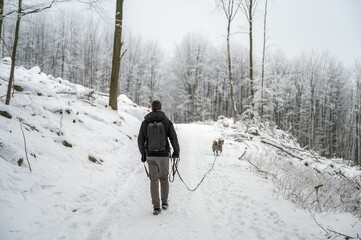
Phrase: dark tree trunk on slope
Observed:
(13, 55)
(114, 79)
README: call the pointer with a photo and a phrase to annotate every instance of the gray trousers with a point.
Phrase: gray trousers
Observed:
(158, 172)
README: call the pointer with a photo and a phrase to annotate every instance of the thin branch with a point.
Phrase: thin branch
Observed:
(343, 235)
(38, 9)
(123, 53)
(87, 101)
(29, 12)
(242, 155)
(314, 219)
(66, 92)
(267, 141)
(26, 151)
(61, 121)
(4, 79)
(9, 13)
(260, 170)
(102, 94)
(328, 230)
(6, 46)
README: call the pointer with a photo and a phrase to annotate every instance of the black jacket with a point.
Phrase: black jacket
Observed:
(169, 131)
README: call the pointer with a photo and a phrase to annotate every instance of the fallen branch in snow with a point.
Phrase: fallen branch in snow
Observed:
(314, 156)
(260, 170)
(27, 124)
(347, 237)
(315, 189)
(302, 150)
(328, 230)
(269, 142)
(314, 219)
(282, 147)
(87, 101)
(65, 92)
(354, 183)
(26, 151)
(246, 143)
(248, 136)
(4, 79)
(242, 155)
(102, 94)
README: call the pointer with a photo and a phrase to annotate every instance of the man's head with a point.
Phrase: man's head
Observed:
(156, 105)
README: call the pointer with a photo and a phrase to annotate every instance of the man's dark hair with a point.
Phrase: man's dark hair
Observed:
(156, 105)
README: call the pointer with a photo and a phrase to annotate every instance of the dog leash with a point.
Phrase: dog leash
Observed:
(146, 170)
(174, 163)
(175, 170)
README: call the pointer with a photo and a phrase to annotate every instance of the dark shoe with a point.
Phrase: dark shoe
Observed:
(165, 206)
(156, 211)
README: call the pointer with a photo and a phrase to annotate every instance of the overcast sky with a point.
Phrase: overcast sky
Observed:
(293, 25)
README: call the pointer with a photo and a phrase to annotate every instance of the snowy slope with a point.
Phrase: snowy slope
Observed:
(67, 196)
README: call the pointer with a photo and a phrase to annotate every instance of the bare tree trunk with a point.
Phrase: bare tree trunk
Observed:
(358, 123)
(251, 52)
(1, 15)
(113, 91)
(230, 77)
(13, 55)
(249, 7)
(263, 54)
(230, 13)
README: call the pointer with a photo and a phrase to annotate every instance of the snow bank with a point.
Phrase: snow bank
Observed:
(69, 136)
(311, 181)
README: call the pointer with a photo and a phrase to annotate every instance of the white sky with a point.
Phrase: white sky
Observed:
(294, 25)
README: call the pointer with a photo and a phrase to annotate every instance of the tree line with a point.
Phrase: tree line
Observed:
(314, 95)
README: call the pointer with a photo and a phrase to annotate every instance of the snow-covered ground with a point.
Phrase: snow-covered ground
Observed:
(67, 196)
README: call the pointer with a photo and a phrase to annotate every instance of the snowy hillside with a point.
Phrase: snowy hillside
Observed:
(87, 181)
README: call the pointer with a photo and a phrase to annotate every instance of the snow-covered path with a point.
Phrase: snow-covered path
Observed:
(68, 197)
(232, 202)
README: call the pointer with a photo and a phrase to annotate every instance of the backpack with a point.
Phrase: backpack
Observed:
(156, 137)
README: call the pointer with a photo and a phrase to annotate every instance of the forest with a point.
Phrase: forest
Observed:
(314, 96)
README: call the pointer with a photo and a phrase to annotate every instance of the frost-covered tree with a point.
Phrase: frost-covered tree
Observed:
(353, 145)
(130, 64)
(189, 69)
(21, 12)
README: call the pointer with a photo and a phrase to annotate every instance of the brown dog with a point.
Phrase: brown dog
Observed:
(217, 146)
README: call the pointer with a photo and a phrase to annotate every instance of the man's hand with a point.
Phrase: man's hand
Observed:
(175, 155)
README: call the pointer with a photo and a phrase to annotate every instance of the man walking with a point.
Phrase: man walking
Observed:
(154, 146)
